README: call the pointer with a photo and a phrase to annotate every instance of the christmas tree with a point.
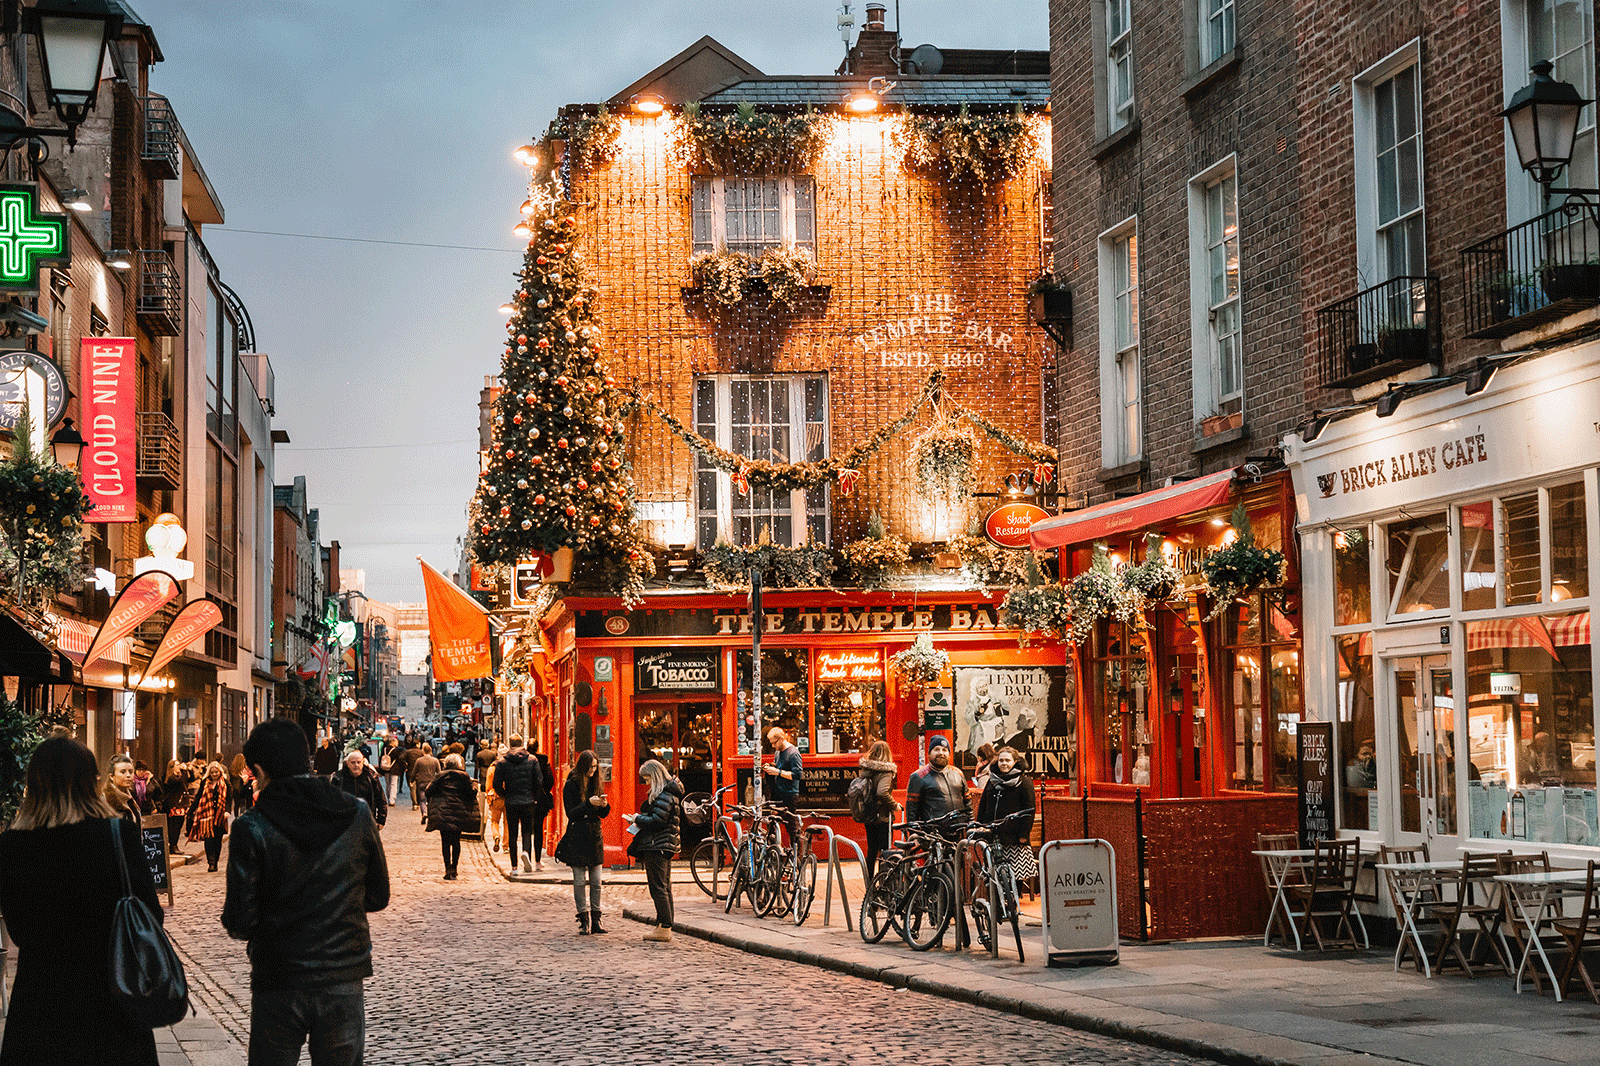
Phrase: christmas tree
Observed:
(556, 475)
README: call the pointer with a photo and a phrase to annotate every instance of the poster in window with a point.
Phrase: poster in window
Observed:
(1026, 707)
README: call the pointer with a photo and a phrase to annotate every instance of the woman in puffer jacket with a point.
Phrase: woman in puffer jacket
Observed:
(452, 810)
(656, 841)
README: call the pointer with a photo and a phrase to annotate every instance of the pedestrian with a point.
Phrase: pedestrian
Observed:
(878, 767)
(118, 790)
(520, 782)
(785, 771)
(543, 803)
(496, 805)
(1010, 791)
(389, 767)
(656, 841)
(327, 761)
(208, 814)
(487, 756)
(452, 810)
(242, 783)
(357, 779)
(408, 760)
(145, 787)
(304, 870)
(937, 788)
(175, 793)
(59, 883)
(980, 772)
(582, 847)
(423, 771)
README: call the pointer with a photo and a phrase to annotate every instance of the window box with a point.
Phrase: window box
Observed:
(1571, 281)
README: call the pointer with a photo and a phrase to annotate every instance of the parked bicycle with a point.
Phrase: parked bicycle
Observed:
(711, 862)
(914, 888)
(758, 864)
(992, 885)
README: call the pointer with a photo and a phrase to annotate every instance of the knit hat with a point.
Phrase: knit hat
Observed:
(939, 741)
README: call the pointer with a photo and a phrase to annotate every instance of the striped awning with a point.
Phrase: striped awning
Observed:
(1531, 631)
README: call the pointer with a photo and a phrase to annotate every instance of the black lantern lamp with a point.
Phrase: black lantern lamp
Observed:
(1543, 116)
(72, 36)
(67, 444)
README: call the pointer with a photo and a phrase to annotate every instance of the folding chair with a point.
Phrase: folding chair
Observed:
(1579, 934)
(1471, 901)
(1330, 893)
(1387, 855)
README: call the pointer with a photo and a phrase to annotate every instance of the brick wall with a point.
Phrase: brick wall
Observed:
(888, 242)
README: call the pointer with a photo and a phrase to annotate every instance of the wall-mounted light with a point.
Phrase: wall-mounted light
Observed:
(67, 444)
(72, 36)
(1313, 427)
(521, 229)
(119, 259)
(647, 104)
(527, 155)
(507, 309)
(1478, 377)
(77, 200)
(526, 208)
(1389, 401)
(861, 102)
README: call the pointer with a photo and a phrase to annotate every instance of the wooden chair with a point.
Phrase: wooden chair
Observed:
(1512, 922)
(1296, 876)
(1474, 901)
(1329, 893)
(1386, 854)
(1582, 932)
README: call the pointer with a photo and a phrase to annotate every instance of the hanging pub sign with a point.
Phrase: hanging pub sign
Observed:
(677, 670)
(29, 375)
(107, 464)
(29, 238)
(1008, 524)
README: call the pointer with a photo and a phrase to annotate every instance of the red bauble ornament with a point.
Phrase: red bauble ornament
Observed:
(610, 380)
(541, 260)
(485, 528)
(517, 419)
(537, 460)
(522, 338)
(582, 484)
(595, 467)
(544, 342)
(539, 498)
(577, 301)
(561, 248)
(594, 520)
(562, 380)
(510, 454)
(571, 510)
(505, 512)
(532, 399)
(562, 443)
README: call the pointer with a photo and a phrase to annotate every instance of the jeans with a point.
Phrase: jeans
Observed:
(519, 830)
(333, 1017)
(213, 849)
(877, 841)
(579, 873)
(450, 841)
(395, 781)
(658, 871)
(174, 830)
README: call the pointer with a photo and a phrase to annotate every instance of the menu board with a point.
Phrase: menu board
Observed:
(153, 842)
(1315, 744)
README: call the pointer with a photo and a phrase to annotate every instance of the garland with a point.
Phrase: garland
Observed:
(873, 558)
(749, 142)
(728, 566)
(982, 148)
(42, 505)
(986, 563)
(591, 139)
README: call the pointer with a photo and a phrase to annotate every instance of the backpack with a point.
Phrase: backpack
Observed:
(859, 796)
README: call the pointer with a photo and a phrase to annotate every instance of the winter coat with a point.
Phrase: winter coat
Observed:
(208, 814)
(932, 793)
(880, 790)
(519, 779)
(658, 821)
(57, 890)
(1003, 796)
(582, 844)
(424, 770)
(305, 866)
(545, 802)
(367, 786)
(453, 803)
(326, 759)
(175, 794)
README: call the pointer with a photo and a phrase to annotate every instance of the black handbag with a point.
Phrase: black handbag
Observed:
(146, 977)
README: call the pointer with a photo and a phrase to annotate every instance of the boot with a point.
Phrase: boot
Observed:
(661, 934)
(594, 922)
(583, 923)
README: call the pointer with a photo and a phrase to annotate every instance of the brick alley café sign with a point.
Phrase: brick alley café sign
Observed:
(29, 238)
(823, 621)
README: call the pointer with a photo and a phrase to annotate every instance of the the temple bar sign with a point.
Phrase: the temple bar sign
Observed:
(717, 622)
(29, 239)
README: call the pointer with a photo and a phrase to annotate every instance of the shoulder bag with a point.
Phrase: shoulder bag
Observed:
(146, 977)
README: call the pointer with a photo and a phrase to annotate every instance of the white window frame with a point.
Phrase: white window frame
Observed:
(800, 509)
(1121, 377)
(1524, 199)
(1224, 15)
(717, 197)
(1107, 118)
(1370, 265)
(1205, 346)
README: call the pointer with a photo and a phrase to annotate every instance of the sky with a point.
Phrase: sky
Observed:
(351, 123)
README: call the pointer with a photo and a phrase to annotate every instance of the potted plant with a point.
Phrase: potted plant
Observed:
(1155, 580)
(921, 664)
(1036, 606)
(1049, 300)
(1242, 566)
(1571, 281)
(873, 558)
(1403, 342)
(1098, 593)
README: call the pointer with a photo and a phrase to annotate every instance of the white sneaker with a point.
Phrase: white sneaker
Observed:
(538, 866)
(527, 860)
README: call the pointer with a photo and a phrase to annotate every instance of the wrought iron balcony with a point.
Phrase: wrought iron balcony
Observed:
(1379, 332)
(1532, 274)
(160, 294)
(161, 138)
(160, 451)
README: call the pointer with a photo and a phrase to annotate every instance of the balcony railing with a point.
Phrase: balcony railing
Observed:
(160, 451)
(161, 138)
(160, 294)
(1532, 274)
(1379, 332)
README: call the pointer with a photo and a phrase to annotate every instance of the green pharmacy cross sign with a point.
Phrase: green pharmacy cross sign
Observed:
(29, 238)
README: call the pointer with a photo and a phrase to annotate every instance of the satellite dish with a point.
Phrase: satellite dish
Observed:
(926, 59)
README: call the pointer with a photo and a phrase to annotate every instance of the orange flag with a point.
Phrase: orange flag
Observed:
(458, 628)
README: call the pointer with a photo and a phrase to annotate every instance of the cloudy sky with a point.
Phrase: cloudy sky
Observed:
(368, 143)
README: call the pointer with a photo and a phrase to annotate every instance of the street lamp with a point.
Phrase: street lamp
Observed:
(67, 444)
(72, 36)
(1543, 117)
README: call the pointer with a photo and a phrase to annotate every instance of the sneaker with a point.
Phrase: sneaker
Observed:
(661, 934)
(527, 860)
(538, 866)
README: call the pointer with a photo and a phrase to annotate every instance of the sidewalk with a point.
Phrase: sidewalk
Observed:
(1230, 1000)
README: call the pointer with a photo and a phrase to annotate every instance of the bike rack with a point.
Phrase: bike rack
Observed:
(834, 872)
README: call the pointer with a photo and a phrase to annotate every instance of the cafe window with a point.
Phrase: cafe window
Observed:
(1352, 577)
(1358, 751)
(849, 700)
(1417, 559)
(1526, 548)
(1261, 693)
(1122, 688)
(785, 696)
(1530, 724)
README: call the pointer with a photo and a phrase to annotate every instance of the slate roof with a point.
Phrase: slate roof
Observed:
(987, 92)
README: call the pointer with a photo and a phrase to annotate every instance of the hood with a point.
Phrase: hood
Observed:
(311, 811)
(878, 767)
(516, 758)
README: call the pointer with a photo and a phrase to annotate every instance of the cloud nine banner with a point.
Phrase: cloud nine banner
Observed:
(108, 464)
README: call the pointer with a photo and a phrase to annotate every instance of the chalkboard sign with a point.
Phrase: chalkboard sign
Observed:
(1315, 748)
(822, 788)
(153, 839)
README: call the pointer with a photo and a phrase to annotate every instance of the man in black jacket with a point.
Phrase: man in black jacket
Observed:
(304, 867)
(519, 779)
(938, 788)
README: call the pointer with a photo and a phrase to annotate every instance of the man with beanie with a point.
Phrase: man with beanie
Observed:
(937, 788)
(305, 866)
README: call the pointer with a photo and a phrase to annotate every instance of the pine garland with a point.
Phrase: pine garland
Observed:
(591, 140)
(982, 148)
(749, 142)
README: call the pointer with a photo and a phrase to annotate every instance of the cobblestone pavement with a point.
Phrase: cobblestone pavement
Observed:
(482, 971)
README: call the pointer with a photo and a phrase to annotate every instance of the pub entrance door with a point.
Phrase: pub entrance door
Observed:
(687, 739)
(1180, 759)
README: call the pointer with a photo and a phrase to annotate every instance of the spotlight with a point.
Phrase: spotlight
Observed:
(526, 208)
(77, 200)
(1313, 427)
(1390, 401)
(527, 155)
(647, 104)
(861, 102)
(1479, 376)
(118, 259)
(521, 229)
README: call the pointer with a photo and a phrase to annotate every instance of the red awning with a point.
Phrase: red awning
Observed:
(1134, 513)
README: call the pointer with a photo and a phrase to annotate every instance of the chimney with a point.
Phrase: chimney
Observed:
(874, 17)
(877, 50)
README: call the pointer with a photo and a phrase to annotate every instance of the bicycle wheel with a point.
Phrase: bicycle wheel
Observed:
(712, 854)
(739, 879)
(1008, 904)
(778, 872)
(982, 919)
(877, 914)
(927, 912)
(805, 888)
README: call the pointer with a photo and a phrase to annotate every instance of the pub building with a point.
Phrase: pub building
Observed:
(671, 680)
(1445, 552)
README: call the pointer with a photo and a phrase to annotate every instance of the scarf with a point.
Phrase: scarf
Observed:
(1010, 780)
(209, 811)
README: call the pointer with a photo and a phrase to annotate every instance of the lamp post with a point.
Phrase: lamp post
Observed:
(67, 444)
(1543, 118)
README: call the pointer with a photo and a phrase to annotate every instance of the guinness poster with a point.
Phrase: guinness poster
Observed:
(1029, 708)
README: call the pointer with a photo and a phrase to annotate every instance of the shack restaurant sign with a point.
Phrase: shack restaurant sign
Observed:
(1008, 525)
(686, 670)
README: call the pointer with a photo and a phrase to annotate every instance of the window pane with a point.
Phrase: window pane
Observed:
(1520, 548)
(1405, 104)
(1407, 166)
(1477, 556)
(804, 226)
(705, 406)
(1352, 581)
(1569, 551)
(1418, 565)
(1357, 733)
(1383, 105)
(785, 694)
(1388, 187)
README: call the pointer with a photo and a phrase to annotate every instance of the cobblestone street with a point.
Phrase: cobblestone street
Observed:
(484, 971)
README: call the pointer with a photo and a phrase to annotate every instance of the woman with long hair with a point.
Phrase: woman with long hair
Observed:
(452, 810)
(1010, 791)
(117, 789)
(656, 840)
(582, 846)
(175, 788)
(59, 883)
(208, 815)
(241, 784)
(878, 767)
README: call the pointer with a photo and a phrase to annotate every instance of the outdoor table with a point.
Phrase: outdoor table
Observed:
(1410, 881)
(1532, 893)
(1279, 865)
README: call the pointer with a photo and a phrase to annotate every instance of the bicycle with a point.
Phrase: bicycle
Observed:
(885, 893)
(922, 893)
(804, 862)
(712, 860)
(993, 896)
(757, 865)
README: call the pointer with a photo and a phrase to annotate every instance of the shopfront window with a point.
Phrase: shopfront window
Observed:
(1476, 561)
(1352, 577)
(1262, 693)
(1358, 751)
(1532, 545)
(785, 696)
(1418, 562)
(1122, 683)
(1569, 535)
(849, 700)
(1530, 700)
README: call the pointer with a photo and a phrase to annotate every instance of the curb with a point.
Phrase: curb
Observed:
(988, 999)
